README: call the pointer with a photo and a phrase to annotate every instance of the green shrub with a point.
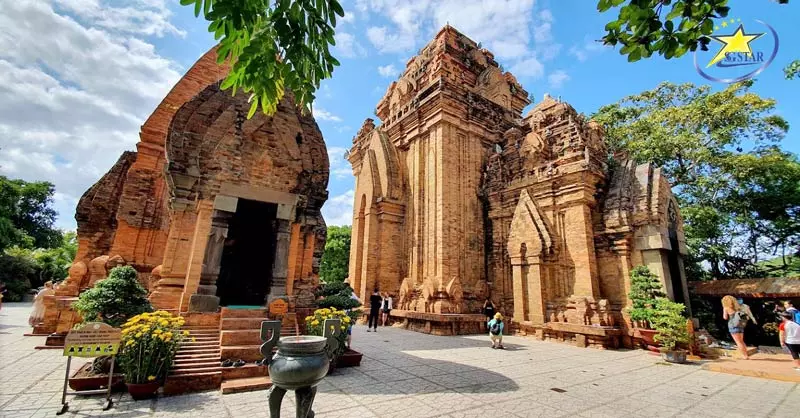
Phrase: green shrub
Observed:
(336, 295)
(645, 289)
(15, 273)
(669, 323)
(115, 299)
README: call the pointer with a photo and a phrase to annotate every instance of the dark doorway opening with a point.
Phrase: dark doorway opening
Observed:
(245, 273)
(675, 271)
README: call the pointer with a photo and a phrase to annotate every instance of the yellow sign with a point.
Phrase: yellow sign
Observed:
(94, 339)
(278, 307)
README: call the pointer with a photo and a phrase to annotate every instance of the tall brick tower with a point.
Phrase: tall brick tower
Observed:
(419, 174)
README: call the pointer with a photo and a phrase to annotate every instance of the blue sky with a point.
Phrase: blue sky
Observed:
(72, 101)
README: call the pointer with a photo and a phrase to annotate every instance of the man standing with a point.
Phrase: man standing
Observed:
(374, 310)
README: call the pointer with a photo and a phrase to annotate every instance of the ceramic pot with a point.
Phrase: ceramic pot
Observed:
(300, 362)
(674, 356)
(141, 391)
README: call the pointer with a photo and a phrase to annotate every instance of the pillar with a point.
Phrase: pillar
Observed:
(197, 253)
(205, 298)
(519, 289)
(580, 247)
(280, 267)
(536, 290)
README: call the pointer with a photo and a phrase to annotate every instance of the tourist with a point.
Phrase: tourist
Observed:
(496, 326)
(386, 307)
(374, 309)
(37, 315)
(488, 309)
(2, 293)
(737, 320)
(350, 326)
(790, 337)
(789, 307)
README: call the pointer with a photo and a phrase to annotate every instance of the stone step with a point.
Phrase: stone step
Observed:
(241, 323)
(192, 382)
(248, 353)
(246, 384)
(244, 313)
(194, 363)
(201, 338)
(199, 345)
(240, 337)
(195, 370)
(248, 370)
(197, 351)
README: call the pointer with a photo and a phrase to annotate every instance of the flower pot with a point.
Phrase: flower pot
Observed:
(648, 339)
(85, 379)
(141, 391)
(349, 358)
(674, 356)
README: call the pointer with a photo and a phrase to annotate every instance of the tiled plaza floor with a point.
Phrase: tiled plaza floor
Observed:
(406, 374)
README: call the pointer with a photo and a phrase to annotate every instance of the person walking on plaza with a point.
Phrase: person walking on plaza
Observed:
(37, 314)
(374, 310)
(386, 307)
(488, 309)
(790, 337)
(496, 327)
(737, 319)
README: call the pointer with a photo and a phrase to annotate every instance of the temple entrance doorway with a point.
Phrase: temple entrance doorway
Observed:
(245, 273)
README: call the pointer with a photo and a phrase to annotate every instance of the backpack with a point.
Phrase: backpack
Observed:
(495, 328)
(741, 318)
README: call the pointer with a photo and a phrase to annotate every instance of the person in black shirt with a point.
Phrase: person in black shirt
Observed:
(488, 309)
(375, 301)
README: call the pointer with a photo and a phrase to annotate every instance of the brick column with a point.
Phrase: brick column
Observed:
(519, 288)
(580, 244)
(280, 267)
(205, 298)
(536, 291)
(197, 253)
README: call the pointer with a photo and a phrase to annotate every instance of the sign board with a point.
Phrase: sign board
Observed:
(94, 339)
(278, 307)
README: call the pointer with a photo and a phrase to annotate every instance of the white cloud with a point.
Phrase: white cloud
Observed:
(384, 41)
(73, 100)
(322, 114)
(557, 78)
(388, 71)
(338, 210)
(140, 17)
(339, 166)
(530, 67)
(347, 46)
(587, 49)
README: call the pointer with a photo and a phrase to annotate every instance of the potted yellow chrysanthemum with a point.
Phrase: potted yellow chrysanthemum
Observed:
(149, 344)
(314, 326)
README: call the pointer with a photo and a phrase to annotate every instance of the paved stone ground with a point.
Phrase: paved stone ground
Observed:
(406, 374)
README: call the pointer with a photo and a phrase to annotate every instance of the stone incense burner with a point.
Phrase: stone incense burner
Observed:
(300, 363)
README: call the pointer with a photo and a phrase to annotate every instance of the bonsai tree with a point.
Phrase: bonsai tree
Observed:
(337, 295)
(645, 289)
(669, 323)
(114, 299)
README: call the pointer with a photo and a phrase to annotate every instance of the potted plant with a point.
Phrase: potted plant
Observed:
(147, 351)
(645, 289)
(314, 326)
(339, 295)
(670, 326)
(112, 300)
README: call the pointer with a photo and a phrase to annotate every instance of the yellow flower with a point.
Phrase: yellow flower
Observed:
(185, 332)
(151, 378)
(346, 320)
(194, 339)
(315, 322)
(138, 335)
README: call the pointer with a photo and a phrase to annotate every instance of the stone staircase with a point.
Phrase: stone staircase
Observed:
(240, 338)
(196, 366)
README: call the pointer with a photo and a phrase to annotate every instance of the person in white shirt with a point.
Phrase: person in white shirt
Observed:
(791, 338)
(386, 307)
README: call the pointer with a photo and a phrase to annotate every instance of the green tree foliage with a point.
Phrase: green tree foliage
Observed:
(336, 259)
(645, 289)
(336, 295)
(114, 299)
(48, 264)
(644, 27)
(15, 274)
(736, 204)
(26, 218)
(273, 45)
(670, 324)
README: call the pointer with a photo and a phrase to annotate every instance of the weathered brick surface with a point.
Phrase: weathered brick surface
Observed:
(458, 197)
(154, 208)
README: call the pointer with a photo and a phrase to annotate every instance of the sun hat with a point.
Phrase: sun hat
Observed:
(498, 316)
